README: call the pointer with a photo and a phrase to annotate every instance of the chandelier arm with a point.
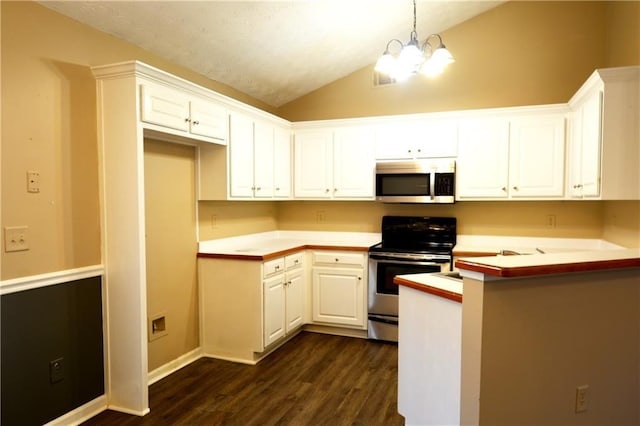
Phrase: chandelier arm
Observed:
(391, 41)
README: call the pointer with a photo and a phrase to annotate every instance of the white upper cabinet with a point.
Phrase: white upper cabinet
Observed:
(353, 163)
(336, 164)
(482, 169)
(208, 119)
(513, 157)
(263, 159)
(175, 109)
(240, 156)
(259, 159)
(604, 137)
(313, 163)
(417, 139)
(282, 162)
(536, 156)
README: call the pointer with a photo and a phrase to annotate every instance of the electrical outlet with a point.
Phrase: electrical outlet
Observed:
(320, 216)
(582, 398)
(56, 370)
(214, 221)
(33, 181)
(550, 220)
(15, 238)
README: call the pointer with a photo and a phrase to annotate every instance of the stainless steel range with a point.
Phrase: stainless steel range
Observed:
(410, 245)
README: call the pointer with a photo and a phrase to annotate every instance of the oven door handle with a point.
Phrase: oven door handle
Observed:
(408, 262)
(383, 319)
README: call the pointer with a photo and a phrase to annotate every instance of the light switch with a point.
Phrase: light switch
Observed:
(15, 238)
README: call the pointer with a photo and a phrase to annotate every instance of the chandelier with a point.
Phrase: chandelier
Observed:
(412, 58)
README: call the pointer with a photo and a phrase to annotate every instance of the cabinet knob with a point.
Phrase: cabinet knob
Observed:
(259, 188)
(277, 189)
(409, 151)
(504, 188)
(515, 188)
(359, 278)
(326, 190)
(196, 122)
(186, 120)
(337, 260)
(277, 267)
(296, 261)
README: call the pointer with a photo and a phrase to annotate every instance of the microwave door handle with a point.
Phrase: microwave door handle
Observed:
(432, 184)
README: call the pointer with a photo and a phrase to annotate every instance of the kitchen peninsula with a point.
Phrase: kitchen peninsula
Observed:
(536, 329)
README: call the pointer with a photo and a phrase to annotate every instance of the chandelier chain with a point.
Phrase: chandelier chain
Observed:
(414, 19)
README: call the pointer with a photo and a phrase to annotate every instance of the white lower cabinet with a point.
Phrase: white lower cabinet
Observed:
(283, 303)
(339, 288)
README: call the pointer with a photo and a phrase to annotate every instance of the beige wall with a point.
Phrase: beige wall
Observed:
(574, 219)
(49, 125)
(170, 219)
(520, 53)
(528, 343)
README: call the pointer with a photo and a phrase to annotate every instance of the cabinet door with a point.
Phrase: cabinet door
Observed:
(313, 165)
(536, 157)
(353, 163)
(338, 296)
(591, 145)
(240, 156)
(282, 163)
(165, 107)
(274, 309)
(575, 154)
(294, 292)
(208, 119)
(396, 141)
(438, 139)
(483, 159)
(263, 160)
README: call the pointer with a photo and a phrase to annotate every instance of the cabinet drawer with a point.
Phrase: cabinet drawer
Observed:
(294, 261)
(273, 267)
(339, 258)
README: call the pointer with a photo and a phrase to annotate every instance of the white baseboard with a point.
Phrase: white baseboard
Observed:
(82, 413)
(173, 366)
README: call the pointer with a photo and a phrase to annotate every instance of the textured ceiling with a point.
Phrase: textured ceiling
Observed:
(275, 51)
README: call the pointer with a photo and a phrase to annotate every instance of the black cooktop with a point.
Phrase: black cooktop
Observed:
(417, 234)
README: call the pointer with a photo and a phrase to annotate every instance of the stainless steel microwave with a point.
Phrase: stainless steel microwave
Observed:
(416, 181)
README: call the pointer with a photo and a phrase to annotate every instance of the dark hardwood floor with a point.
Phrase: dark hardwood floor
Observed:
(314, 379)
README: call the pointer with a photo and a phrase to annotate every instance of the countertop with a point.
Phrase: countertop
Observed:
(268, 245)
(435, 283)
(545, 264)
(490, 245)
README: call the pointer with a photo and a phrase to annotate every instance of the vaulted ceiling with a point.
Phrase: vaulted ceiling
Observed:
(275, 51)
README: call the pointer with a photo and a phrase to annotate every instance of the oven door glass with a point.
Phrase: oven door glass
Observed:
(388, 270)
